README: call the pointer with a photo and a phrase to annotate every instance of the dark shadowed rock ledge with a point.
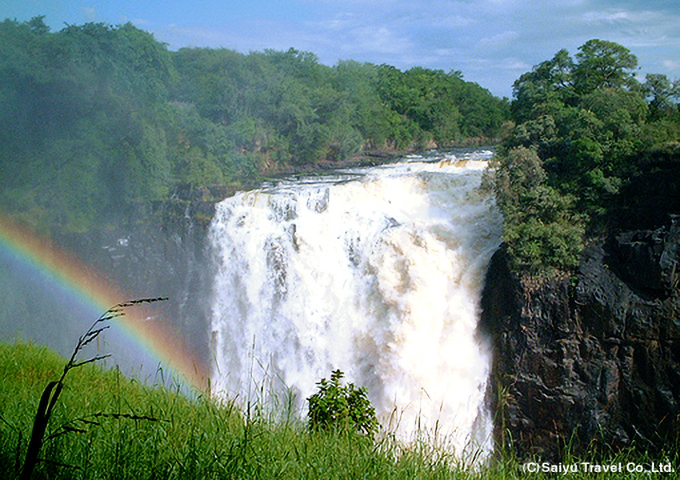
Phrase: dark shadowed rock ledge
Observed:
(593, 358)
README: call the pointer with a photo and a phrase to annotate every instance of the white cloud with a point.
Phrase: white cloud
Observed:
(340, 22)
(515, 64)
(444, 52)
(350, 3)
(141, 22)
(452, 21)
(90, 13)
(608, 17)
(381, 40)
(671, 64)
(501, 40)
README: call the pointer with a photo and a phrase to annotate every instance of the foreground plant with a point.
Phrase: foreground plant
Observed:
(338, 406)
(50, 395)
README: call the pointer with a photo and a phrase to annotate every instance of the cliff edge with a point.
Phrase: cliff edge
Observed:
(594, 357)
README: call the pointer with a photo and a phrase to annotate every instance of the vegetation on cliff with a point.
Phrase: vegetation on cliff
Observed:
(95, 118)
(582, 129)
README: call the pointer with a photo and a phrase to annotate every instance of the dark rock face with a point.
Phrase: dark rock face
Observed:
(161, 250)
(649, 260)
(592, 358)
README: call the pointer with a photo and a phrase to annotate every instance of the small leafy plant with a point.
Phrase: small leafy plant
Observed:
(335, 406)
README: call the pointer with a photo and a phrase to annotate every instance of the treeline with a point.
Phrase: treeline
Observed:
(94, 118)
(582, 129)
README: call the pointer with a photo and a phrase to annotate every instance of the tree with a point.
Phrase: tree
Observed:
(580, 133)
(662, 94)
(366, 111)
(544, 90)
(603, 64)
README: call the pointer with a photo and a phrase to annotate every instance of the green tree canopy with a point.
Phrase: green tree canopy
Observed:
(603, 64)
(579, 129)
(95, 118)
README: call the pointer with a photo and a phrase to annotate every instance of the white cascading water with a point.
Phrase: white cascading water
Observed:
(376, 272)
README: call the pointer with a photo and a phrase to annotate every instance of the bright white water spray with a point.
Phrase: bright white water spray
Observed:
(376, 272)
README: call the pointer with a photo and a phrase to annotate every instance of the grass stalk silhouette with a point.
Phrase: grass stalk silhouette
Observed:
(50, 395)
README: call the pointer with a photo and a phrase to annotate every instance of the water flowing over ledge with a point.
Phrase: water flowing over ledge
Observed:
(375, 271)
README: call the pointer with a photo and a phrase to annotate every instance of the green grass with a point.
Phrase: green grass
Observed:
(117, 428)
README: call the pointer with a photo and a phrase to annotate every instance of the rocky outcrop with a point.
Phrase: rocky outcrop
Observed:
(591, 358)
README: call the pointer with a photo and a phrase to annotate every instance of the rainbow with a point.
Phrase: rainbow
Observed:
(58, 267)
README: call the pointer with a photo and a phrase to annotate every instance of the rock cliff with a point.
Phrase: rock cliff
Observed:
(594, 357)
(160, 250)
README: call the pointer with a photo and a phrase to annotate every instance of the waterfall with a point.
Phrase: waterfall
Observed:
(376, 272)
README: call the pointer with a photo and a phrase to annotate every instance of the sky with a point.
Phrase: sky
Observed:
(492, 42)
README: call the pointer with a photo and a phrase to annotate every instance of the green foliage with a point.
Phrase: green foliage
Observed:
(94, 118)
(79, 130)
(439, 106)
(541, 227)
(586, 123)
(340, 407)
(603, 64)
(108, 426)
(662, 95)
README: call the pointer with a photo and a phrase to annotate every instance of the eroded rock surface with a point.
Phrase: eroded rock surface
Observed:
(591, 358)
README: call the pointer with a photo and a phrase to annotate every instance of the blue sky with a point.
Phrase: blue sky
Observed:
(491, 41)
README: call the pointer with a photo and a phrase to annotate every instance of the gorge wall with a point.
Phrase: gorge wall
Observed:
(594, 357)
(159, 250)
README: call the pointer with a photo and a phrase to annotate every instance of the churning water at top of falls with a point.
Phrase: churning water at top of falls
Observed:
(374, 271)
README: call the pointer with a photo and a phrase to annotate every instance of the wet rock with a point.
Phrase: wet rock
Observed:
(158, 250)
(591, 358)
(595, 357)
(648, 260)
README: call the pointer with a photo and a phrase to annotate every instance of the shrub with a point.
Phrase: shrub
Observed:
(541, 227)
(336, 406)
